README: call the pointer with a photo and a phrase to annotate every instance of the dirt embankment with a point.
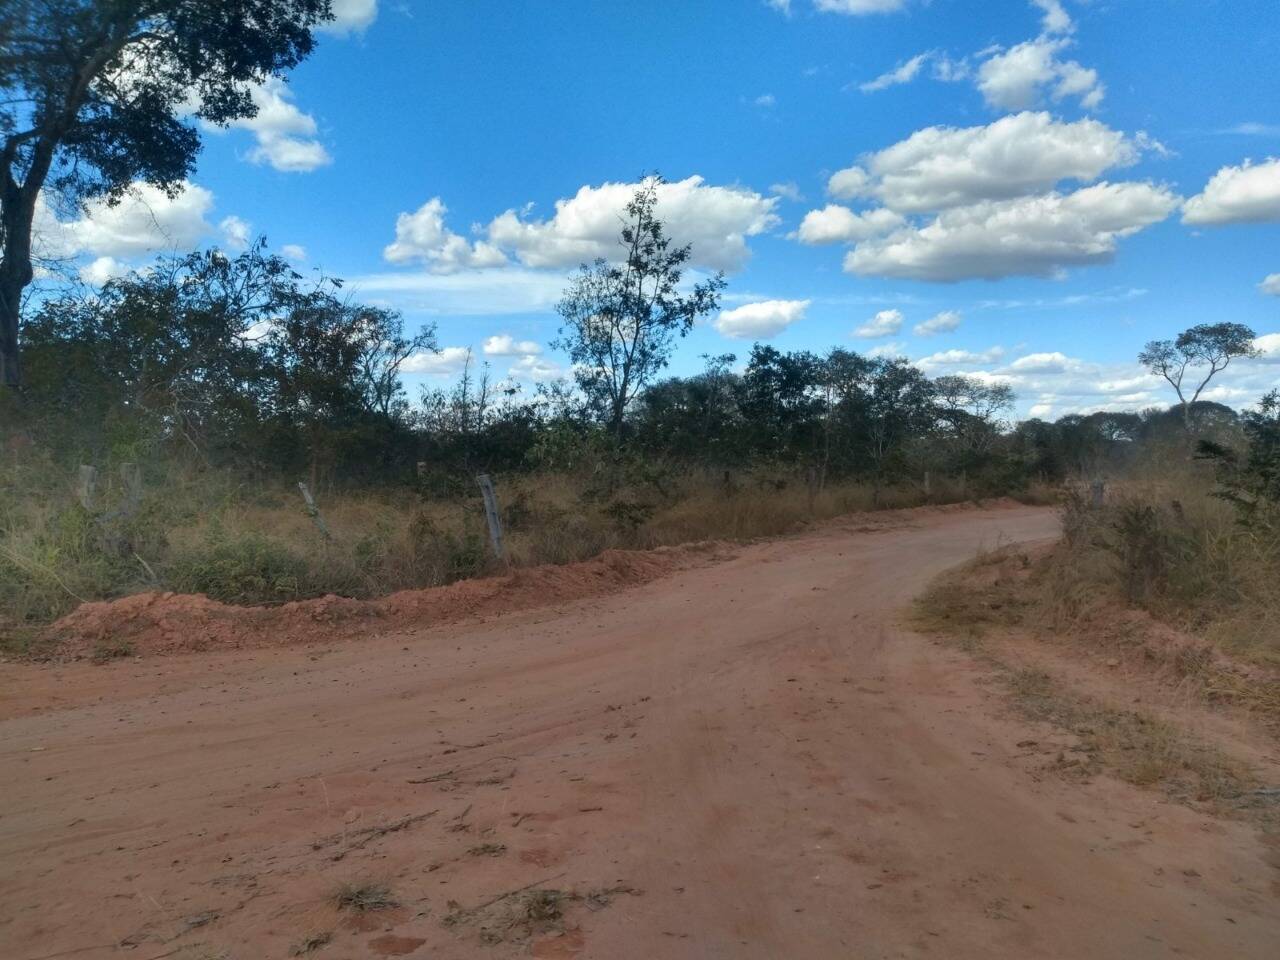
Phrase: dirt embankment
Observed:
(168, 623)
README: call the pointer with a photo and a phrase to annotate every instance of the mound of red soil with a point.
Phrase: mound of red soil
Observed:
(167, 623)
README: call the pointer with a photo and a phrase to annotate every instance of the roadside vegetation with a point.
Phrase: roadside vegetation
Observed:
(1170, 574)
(201, 391)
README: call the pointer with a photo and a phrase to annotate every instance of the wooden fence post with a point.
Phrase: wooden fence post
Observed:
(86, 484)
(491, 514)
(313, 511)
(131, 479)
(1098, 493)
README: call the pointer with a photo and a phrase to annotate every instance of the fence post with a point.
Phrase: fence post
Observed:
(131, 479)
(1098, 493)
(86, 484)
(491, 514)
(313, 511)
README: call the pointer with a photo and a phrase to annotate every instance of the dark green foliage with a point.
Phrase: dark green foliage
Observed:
(249, 569)
(98, 95)
(1252, 481)
(621, 320)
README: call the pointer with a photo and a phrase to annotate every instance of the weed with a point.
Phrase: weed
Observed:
(107, 650)
(311, 943)
(364, 897)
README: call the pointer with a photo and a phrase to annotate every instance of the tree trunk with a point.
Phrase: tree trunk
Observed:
(10, 361)
(15, 274)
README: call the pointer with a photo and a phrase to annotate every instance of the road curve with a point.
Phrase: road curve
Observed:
(749, 759)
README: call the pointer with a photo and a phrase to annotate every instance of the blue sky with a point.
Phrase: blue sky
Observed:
(1050, 183)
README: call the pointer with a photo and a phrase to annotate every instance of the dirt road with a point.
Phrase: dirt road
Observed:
(749, 759)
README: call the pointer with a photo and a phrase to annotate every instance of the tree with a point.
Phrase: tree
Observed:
(621, 320)
(1207, 345)
(1252, 483)
(101, 94)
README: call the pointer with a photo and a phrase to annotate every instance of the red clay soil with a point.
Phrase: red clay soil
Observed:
(745, 759)
(167, 623)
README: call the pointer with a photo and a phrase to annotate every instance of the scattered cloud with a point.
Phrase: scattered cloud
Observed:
(787, 191)
(764, 319)
(286, 135)
(351, 16)
(1020, 77)
(1249, 193)
(716, 220)
(782, 6)
(849, 183)
(422, 237)
(235, 233)
(1056, 19)
(1029, 236)
(145, 221)
(1271, 285)
(1045, 363)
(766, 100)
(955, 358)
(102, 270)
(837, 224)
(888, 351)
(294, 252)
(1268, 345)
(1251, 129)
(884, 324)
(535, 368)
(904, 72)
(508, 291)
(443, 363)
(940, 167)
(945, 322)
(859, 8)
(504, 345)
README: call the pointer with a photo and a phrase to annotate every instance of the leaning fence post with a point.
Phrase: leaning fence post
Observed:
(491, 514)
(86, 483)
(313, 511)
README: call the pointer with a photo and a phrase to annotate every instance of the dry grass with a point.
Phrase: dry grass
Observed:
(1132, 745)
(364, 897)
(255, 543)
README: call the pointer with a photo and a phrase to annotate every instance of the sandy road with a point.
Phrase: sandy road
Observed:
(753, 755)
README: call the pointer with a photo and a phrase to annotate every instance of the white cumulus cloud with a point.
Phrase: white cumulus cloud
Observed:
(235, 233)
(286, 135)
(443, 363)
(146, 220)
(505, 345)
(422, 237)
(351, 16)
(1027, 236)
(837, 224)
(764, 319)
(944, 322)
(1271, 285)
(884, 324)
(940, 167)
(1020, 77)
(1249, 193)
(716, 220)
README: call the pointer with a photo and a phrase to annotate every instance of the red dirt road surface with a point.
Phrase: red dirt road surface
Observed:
(748, 758)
